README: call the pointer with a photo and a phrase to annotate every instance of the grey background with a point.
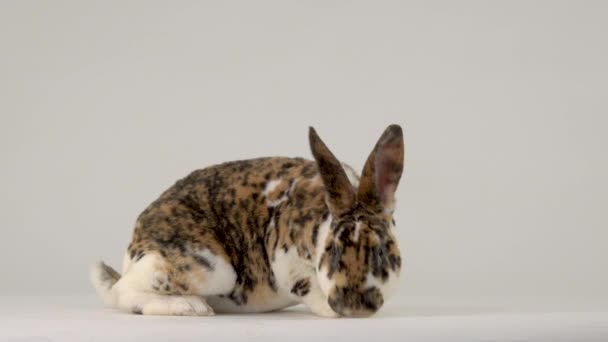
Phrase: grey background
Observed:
(103, 105)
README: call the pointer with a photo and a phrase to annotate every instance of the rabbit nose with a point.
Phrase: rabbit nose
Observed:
(356, 303)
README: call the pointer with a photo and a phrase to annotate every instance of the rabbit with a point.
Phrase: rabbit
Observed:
(264, 234)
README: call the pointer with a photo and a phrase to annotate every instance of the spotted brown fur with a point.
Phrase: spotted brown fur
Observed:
(223, 209)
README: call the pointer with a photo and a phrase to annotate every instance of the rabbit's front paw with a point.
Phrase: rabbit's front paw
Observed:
(321, 307)
(177, 306)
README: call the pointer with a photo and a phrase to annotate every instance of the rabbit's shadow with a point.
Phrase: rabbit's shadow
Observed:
(438, 310)
(402, 311)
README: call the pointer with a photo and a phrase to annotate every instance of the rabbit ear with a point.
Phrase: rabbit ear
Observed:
(382, 170)
(340, 193)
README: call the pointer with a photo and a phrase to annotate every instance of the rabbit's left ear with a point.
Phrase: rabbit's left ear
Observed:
(341, 195)
(382, 171)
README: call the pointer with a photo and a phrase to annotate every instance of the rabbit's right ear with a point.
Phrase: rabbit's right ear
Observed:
(382, 171)
(341, 196)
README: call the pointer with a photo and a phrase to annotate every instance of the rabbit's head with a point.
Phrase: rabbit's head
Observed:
(359, 260)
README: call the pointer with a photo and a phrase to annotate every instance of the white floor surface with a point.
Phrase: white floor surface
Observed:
(38, 319)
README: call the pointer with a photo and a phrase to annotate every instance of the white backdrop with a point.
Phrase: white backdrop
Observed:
(103, 106)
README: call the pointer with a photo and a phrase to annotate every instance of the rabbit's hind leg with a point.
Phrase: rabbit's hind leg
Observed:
(153, 286)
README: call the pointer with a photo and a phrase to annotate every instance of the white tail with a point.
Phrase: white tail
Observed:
(103, 278)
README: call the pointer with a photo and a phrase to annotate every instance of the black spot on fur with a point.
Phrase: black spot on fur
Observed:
(201, 260)
(272, 281)
(238, 297)
(380, 262)
(315, 234)
(133, 253)
(301, 287)
(139, 256)
(309, 171)
(136, 310)
(292, 234)
(395, 262)
(335, 262)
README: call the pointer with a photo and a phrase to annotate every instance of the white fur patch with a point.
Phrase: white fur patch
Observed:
(271, 225)
(277, 202)
(220, 280)
(357, 229)
(389, 209)
(325, 283)
(283, 198)
(282, 267)
(387, 288)
(270, 186)
(321, 237)
(140, 275)
(352, 175)
(134, 291)
(288, 267)
(176, 306)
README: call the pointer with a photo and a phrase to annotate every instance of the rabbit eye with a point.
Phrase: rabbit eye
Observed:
(331, 251)
(380, 256)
